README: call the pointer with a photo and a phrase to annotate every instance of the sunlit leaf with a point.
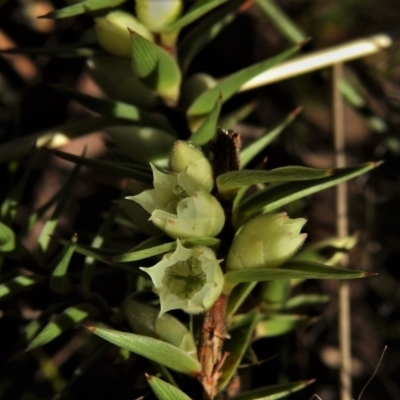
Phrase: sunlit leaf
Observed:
(164, 390)
(164, 248)
(155, 350)
(18, 284)
(273, 392)
(251, 151)
(208, 129)
(7, 239)
(279, 195)
(155, 67)
(294, 269)
(235, 346)
(231, 84)
(82, 8)
(198, 9)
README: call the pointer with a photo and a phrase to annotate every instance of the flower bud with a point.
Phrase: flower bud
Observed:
(157, 15)
(187, 279)
(113, 35)
(180, 208)
(266, 242)
(187, 156)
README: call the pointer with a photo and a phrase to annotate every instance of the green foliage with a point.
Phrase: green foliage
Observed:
(149, 93)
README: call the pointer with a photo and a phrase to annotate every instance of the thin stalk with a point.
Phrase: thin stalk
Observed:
(342, 231)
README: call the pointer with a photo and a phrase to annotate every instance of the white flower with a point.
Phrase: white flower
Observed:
(266, 242)
(187, 279)
(180, 208)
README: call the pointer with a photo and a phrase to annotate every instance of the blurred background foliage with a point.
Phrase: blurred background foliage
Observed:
(28, 104)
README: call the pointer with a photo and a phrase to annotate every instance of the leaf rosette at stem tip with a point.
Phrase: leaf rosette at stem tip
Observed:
(187, 279)
(180, 207)
(266, 242)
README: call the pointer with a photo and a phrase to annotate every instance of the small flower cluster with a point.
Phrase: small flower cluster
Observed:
(181, 204)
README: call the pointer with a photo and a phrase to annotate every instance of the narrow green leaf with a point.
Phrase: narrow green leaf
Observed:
(114, 109)
(198, 9)
(142, 174)
(236, 346)
(82, 8)
(294, 269)
(273, 392)
(231, 119)
(18, 284)
(274, 197)
(164, 248)
(153, 349)
(53, 137)
(249, 152)
(164, 390)
(237, 297)
(205, 31)
(59, 280)
(67, 319)
(7, 239)
(208, 129)
(144, 320)
(247, 177)
(155, 67)
(303, 300)
(69, 50)
(280, 324)
(51, 224)
(231, 84)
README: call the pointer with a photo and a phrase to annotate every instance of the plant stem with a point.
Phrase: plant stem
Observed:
(213, 331)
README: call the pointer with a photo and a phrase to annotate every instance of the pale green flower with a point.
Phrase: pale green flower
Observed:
(180, 208)
(266, 242)
(187, 279)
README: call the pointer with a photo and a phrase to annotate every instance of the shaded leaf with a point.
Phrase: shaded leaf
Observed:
(18, 284)
(164, 248)
(69, 50)
(294, 269)
(305, 300)
(164, 390)
(67, 319)
(233, 118)
(153, 349)
(279, 195)
(273, 392)
(208, 129)
(236, 346)
(251, 151)
(198, 9)
(231, 84)
(82, 8)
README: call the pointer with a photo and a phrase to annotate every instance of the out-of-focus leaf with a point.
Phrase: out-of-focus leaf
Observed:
(153, 349)
(208, 129)
(205, 31)
(115, 77)
(234, 117)
(51, 224)
(144, 320)
(239, 294)
(164, 390)
(164, 248)
(197, 10)
(82, 8)
(249, 152)
(59, 280)
(67, 319)
(7, 239)
(306, 300)
(294, 269)
(231, 181)
(113, 109)
(279, 195)
(235, 346)
(155, 67)
(142, 174)
(68, 50)
(53, 137)
(231, 84)
(280, 324)
(273, 392)
(18, 284)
